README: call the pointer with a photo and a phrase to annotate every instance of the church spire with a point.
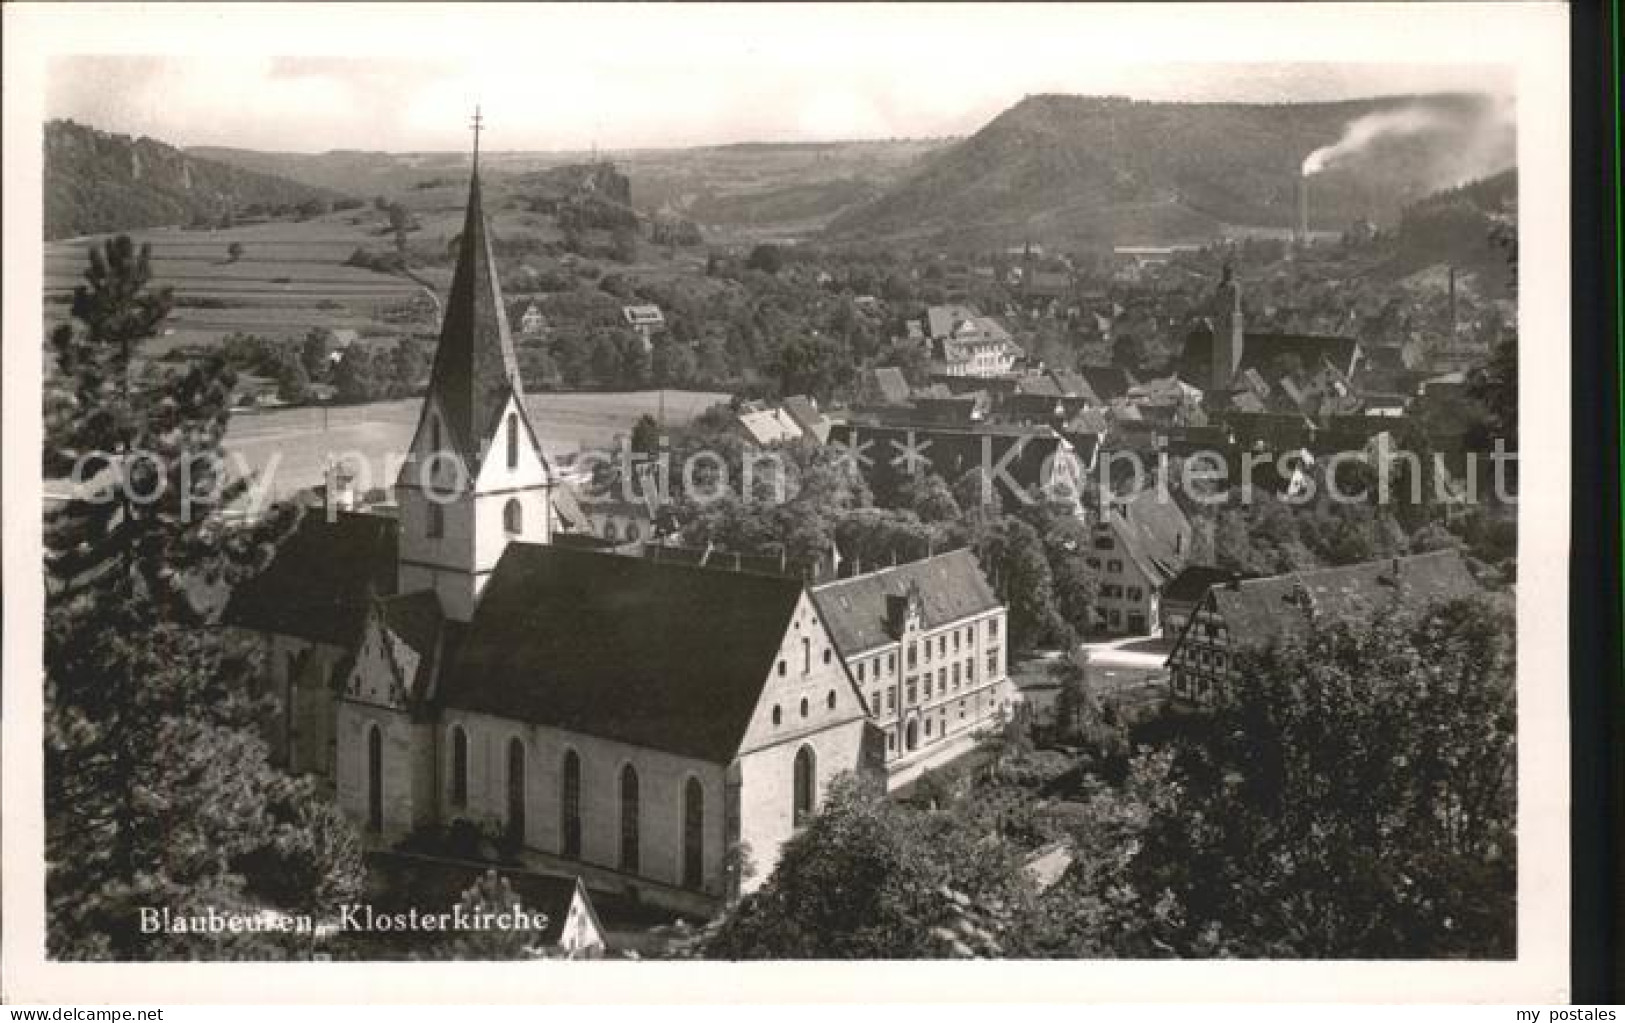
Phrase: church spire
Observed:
(475, 369)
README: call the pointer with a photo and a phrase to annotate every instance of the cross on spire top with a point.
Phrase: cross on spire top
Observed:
(477, 123)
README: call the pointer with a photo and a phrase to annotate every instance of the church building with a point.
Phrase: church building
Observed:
(648, 725)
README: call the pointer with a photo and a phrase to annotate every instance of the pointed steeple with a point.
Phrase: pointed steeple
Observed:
(475, 369)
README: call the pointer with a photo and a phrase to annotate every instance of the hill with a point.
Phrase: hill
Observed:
(1470, 228)
(748, 187)
(1112, 170)
(97, 182)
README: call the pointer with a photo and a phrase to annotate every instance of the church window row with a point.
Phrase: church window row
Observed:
(570, 818)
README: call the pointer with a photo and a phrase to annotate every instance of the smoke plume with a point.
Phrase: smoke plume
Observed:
(1363, 131)
(1448, 139)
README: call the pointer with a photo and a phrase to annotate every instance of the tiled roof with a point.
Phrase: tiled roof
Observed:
(475, 369)
(1027, 455)
(807, 416)
(1074, 384)
(951, 587)
(1147, 525)
(321, 582)
(1038, 383)
(940, 320)
(567, 507)
(1258, 610)
(769, 426)
(649, 653)
(1272, 355)
(890, 383)
(416, 619)
(1087, 421)
(1189, 586)
(1107, 382)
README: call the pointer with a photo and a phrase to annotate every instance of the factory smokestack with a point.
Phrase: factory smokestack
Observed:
(1300, 232)
(1453, 319)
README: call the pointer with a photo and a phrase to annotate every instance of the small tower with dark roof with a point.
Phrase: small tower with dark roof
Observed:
(475, 477)
(1228, 338)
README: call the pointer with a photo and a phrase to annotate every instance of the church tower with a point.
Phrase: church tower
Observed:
(475, 476)
(1227, 330)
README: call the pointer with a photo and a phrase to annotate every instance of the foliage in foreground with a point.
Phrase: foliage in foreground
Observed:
(1352, 799)
(159, 791)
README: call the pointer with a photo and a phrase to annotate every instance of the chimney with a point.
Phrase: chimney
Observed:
(1301, 232)
(1453, 320)
(896, 613)
(340, 489)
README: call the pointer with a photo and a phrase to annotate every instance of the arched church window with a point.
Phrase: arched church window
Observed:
(459, 766)
(570, 805)
(513, 520)
(693, 834)
(629, 819)
(513, 440)
(610, 532)
(805, 785)
(375, 779)
(632, 531)
(437, 518)
(434, 434)
(516, 789)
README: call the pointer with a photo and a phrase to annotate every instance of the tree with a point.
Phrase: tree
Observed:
(1074, 703)
(408, 366)
(158, 789)
(928, 496)
(766, 257)
(1353, 799)
(491, 894)
(813, 365)
(1012, 555)
(357, 377)
(1495, 386)
(672, 362)
(234, 252)
(646, 435)
(872, 879)
(400, 222)
(292, 382)
(314, 353)
(623, 245)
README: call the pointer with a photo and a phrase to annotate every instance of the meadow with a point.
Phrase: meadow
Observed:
(290, 278)
(288, 449)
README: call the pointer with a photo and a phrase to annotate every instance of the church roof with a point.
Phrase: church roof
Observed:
(416, 620)
(659, 655)
(1272, 355)
(475, 368)
(951, 587)
(322, 581)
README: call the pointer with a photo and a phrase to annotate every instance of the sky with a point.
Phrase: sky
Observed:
(642, 76)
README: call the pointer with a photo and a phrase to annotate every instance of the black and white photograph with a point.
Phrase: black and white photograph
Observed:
(710, 483)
